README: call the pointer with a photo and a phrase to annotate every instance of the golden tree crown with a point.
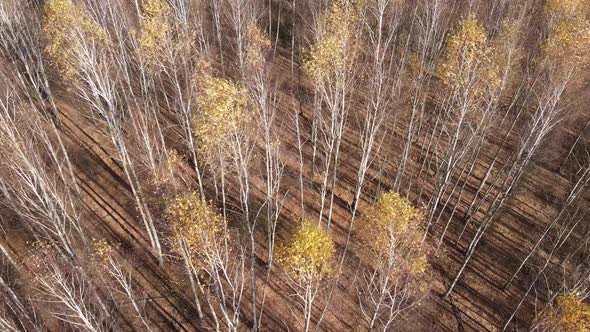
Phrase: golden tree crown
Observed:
(308, 256)
(258, 45)
(154, 27)
(469, 58)
(335, 50)
(102, 250)
(65, 26)
(571, 314)
(196, 223)
(222, 111)
(568, 44)
(393, 225)
(564, 9)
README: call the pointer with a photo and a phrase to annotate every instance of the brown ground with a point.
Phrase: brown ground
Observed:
(478, 303)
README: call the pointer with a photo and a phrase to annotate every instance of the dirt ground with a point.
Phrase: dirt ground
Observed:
(478, 303)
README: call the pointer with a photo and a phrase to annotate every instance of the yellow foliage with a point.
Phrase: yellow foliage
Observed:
(392, 231)
(469, 63)
(562, 9)
(222, 111)
(335, 50)
(308, 256)
(507, 53)
(570, 315)
(154, 29)
(66, 26)
(504, 43)
(102, 250)
(258, 45)
(194, 222)
(568, 43)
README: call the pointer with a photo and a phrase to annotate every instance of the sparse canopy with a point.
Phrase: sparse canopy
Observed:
(195, 223)
(570, 315)
(308, 256)
(468, 64)
(392, 232)
(165, 173)
(66, 27)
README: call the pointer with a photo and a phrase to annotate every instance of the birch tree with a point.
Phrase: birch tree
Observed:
(330, 66)
(262, 91)
(202, 238)
(83, 55)
(564, 52)
(396, 278)
(307, 258)
(226, 136)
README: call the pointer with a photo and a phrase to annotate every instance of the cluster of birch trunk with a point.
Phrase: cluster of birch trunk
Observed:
(260, 116)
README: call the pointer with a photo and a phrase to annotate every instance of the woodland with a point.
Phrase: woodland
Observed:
(294, 165)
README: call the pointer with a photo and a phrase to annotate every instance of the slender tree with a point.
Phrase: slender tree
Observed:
(397, 275)
(308, 259)
(330, 66)
(201, 236)
(85, 57)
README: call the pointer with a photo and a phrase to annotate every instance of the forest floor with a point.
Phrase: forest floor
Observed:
(478, 303)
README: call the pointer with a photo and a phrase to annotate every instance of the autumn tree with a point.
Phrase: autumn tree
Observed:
(469, 75)
(145, 56)
(240, 16)
(308, 260)
(226, 133)
(396, 278)
(220, 124)
(201, 236)
(261, 87)
(330, 68)
(479, 106)
(382, 22)
(86, 58)
(570, 313)
(433, 21)
(168, 46)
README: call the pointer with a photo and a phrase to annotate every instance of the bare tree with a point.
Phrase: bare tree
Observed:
(66, 291)
(119, 280)
(555, 74)
(36, 182)
(89, 62)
